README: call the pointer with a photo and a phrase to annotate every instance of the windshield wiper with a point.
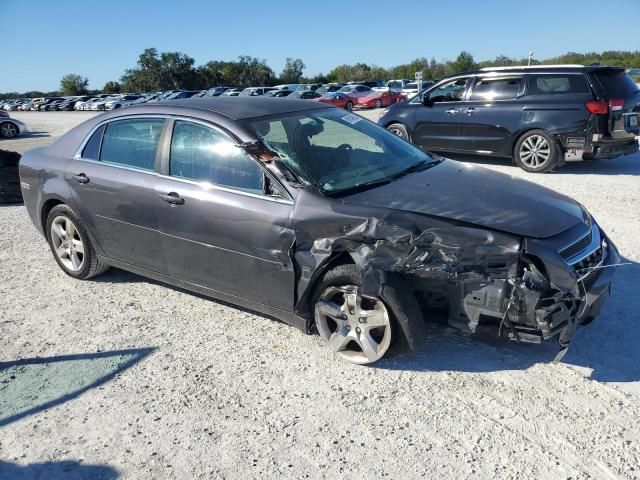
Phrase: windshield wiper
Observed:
(416, 167)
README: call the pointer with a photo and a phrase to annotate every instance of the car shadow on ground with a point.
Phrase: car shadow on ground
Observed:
(608, 346)
(31, 385)
(67, 470)
(35, 134)
(625, 165)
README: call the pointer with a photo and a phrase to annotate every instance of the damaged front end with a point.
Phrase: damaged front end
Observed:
(527, 289)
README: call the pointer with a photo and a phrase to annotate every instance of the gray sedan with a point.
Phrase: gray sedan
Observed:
(320, 218)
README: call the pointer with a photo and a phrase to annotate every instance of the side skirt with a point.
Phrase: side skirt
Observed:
(266, 310)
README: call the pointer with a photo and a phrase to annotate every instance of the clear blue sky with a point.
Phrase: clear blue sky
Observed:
(99, 39)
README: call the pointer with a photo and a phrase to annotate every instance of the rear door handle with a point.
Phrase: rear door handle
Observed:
(452, 111)
(172, 197)
(471, 110)
(81, 178)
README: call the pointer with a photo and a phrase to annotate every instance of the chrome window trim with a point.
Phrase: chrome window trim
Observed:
(204, 185)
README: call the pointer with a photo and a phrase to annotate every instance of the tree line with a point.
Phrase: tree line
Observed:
(161, 71)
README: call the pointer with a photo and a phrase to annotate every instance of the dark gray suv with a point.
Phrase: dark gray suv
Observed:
(540, 116)
(319, 217)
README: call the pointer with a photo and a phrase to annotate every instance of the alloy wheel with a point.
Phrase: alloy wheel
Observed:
(67, 243)
(535, 151)
(356, 327)
(8, 130)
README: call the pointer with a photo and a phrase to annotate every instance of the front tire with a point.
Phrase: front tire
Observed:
(71, 245)
(536, 152)
(349, 106)
(363, 329)
(399, 130)
(378, 104)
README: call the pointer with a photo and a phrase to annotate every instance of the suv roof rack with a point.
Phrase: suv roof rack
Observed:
(531, 67)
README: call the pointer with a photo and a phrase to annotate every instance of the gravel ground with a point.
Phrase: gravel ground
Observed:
(126, 378)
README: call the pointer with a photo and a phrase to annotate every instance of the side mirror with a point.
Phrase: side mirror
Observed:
(426, 101)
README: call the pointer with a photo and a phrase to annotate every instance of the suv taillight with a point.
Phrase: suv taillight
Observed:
(598, 107)
(616, 104)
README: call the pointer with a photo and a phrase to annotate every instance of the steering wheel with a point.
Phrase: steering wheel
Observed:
(344, 148)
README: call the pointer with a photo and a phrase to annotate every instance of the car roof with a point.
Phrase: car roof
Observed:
(238, 108)
(552, 68)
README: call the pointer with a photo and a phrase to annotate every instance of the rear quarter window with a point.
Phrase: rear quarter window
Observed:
(554, 84)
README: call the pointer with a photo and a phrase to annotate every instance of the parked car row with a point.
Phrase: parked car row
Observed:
(366, 94)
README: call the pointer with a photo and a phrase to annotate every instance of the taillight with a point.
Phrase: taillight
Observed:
(616, 105)
(598, 107)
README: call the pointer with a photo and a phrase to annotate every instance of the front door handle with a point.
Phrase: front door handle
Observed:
(471, 110)
(81, 178)
(172, 197)
(452, 111)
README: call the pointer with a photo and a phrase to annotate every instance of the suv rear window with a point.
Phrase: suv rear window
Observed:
(496, 88)
(615, 84)
(557, 83)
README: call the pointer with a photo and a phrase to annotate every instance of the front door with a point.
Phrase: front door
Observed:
(113, 184)
(437, 120)
(220, 229)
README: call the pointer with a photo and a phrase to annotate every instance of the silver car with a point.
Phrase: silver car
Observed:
(10, 127)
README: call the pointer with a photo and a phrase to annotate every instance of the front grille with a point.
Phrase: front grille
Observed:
(588, 281)
(577, 247)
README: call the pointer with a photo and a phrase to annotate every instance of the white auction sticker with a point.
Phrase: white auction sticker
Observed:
(351, 118)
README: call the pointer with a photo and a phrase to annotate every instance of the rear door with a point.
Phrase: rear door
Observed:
(623, 96)
(491, 114)
(112, 181)
(220, 229)
(437, 123)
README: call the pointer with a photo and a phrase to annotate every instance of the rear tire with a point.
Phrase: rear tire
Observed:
(70, 244)
(536, 152)
(394, 317)
(399, 130)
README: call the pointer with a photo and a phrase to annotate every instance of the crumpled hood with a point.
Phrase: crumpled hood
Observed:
(479, 196)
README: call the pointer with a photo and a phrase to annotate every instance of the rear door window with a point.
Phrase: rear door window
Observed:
(203, 154)
(496, 89)
(557, 84)
(132, 143)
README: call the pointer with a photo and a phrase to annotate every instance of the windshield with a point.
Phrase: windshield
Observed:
(336, 151)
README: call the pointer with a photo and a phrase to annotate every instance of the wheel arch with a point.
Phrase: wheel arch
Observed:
(518, 135)
(47, 206)
(303, 304)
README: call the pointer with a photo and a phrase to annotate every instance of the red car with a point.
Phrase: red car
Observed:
(377, 99)
(338, 99)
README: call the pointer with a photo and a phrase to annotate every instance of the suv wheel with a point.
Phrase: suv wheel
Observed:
(70, 244)
(399, 130)
(536, 152)
(363, 329)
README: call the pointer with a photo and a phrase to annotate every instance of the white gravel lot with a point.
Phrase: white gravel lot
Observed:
(125, 378)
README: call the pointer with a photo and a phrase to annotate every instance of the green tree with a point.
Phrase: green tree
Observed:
(72, 84)
(161, 71)
(111, 87)
(292, 71)
(463, 63)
